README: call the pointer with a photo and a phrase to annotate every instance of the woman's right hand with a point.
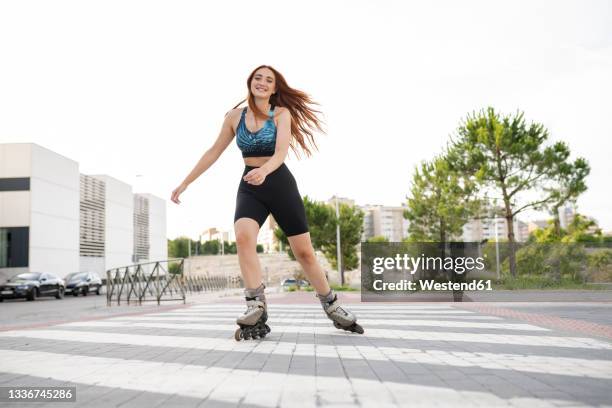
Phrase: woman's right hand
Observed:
(177, 192)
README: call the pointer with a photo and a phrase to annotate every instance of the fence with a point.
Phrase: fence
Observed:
(160, 281)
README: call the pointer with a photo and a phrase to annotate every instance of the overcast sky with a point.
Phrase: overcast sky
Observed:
(132, 88)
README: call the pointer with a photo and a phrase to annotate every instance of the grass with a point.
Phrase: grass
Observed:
(337, 288)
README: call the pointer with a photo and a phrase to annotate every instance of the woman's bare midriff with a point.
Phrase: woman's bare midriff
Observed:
(256, 161)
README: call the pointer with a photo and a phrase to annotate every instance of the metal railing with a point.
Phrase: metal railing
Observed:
(145, 282)
(152, 281)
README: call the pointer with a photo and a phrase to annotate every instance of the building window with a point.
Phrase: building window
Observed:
(141, 228)
(92, 217)
(15, 184)
(14, 247)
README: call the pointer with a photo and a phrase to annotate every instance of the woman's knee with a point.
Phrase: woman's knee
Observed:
(246, 232)
(305, 254)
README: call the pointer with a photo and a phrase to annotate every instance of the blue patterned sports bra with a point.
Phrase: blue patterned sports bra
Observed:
(260, 143)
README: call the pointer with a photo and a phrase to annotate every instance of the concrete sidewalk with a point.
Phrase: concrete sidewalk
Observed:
(424, 354)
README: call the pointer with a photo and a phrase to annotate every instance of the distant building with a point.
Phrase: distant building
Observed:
(386, 221)
(341, 200)
(566, 215)
(477, 230)
(149, 225)
(537, 224)
(106, 217)
(213, 233)
(266, 237)
(54, 219)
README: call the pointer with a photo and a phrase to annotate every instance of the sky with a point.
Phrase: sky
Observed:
(138, 89)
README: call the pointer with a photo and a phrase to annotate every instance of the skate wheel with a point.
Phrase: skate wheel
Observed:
(357, 328)
(238, 334)
(354, 328)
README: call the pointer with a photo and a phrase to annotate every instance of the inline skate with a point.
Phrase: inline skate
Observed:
(253, 321)
(342, 318)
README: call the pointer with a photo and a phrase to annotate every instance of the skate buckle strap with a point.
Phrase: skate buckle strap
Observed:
(335, 307)
(255, 303)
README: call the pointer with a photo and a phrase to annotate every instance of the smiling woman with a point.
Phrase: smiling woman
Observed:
(268, 187)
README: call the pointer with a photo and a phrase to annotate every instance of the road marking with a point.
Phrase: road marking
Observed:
(364, 322)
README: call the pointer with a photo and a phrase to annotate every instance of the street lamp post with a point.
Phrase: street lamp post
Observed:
(496, 239)
(221, 262)
(339, 252)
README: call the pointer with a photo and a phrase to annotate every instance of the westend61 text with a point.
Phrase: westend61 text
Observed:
(432, 285)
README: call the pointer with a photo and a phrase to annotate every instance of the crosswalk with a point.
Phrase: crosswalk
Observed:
(428, 355)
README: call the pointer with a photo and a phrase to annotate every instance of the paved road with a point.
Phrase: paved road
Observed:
(424, 354)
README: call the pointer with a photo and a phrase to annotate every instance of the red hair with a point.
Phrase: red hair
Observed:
(304, 119)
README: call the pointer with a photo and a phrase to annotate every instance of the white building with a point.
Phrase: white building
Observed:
(107, 233)
(341, 200)
(266, 237)
(150, 242)
(386, 221)
(54, 219)
(477, 230)
(566, 215)
(39, 211)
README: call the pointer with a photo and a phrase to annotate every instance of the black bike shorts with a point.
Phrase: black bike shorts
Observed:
(277, 195)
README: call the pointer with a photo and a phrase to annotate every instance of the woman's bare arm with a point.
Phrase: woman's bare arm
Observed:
(209, 157)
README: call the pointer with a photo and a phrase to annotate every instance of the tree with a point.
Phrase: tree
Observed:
(211, 247)
(322, 224)
(440, 203)
(506, 155)
(581, 229)
(351, 228)
(178, 248)
(568, 182)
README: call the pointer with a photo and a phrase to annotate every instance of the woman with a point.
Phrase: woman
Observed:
(267, 186)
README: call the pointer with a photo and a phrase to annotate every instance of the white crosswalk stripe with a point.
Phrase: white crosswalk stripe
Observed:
(323, 320)
(215, 383)
(459, 359)
(575, 342)
(395, 335)
(319, 313)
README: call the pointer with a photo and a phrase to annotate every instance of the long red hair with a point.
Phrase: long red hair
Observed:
(304, 119)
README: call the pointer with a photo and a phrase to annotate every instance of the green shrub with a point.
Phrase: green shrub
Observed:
(599, 265)
(340, 288)
(539, 282)
(551, 260)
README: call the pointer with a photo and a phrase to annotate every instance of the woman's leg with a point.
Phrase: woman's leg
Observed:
(252, 323)
(301, 246)
(304, 253)
(246, 230)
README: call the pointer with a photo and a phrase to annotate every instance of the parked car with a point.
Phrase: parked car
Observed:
(288, 283)
(294, 283)
(31, 285)
(83, 283)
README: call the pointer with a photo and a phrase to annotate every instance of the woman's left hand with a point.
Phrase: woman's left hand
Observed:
(255, 176)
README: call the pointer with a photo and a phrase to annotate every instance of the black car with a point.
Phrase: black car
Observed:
(31, 285)
(83, 282)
